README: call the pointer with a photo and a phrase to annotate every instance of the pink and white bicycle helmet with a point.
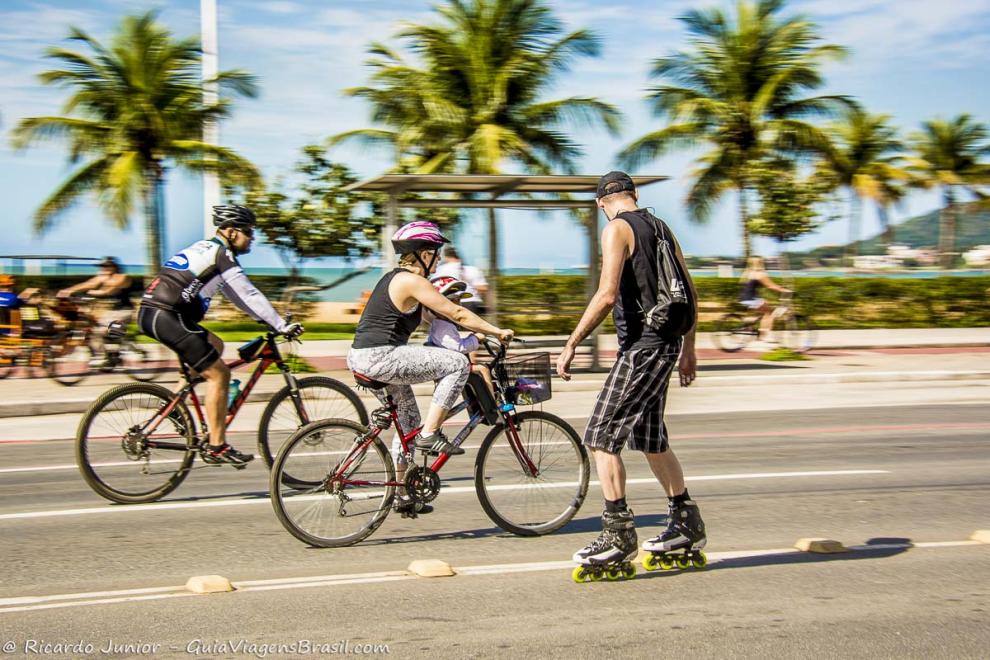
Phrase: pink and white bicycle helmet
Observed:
(418, 235)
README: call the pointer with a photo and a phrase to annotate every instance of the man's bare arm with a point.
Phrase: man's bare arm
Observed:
(616, 247)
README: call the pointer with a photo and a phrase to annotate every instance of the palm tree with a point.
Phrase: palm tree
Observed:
(948, 155)
(474, 104)
(136, 107)
(862, 159)
(739, 89)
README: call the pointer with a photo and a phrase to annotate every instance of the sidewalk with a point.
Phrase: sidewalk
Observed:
(936, 365)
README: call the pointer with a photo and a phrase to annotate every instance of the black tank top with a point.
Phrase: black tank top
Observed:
(382, 324)
(749, 289)
(638, 284)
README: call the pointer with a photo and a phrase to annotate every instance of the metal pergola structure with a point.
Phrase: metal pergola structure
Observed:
(488, 191)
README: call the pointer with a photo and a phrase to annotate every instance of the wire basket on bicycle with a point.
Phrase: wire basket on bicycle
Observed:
(525, 379)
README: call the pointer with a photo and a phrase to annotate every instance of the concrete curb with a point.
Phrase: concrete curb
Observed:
(80, 404)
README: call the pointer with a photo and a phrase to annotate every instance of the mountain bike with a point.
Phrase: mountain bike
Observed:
(334, 481)
(734, 331)
(137, 442)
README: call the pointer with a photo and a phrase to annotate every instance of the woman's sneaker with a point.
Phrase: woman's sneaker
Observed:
(221, 454)
(437, 443)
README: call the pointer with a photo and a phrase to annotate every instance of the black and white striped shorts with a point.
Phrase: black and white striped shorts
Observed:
(630, 406)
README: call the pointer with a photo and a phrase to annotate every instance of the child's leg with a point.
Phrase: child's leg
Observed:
(486, 374)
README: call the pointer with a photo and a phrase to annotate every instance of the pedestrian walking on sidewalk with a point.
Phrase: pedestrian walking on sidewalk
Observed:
(635, 277)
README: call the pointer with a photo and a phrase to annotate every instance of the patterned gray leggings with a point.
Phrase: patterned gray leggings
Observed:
(404, 366)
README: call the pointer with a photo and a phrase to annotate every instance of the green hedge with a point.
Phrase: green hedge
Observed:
(551, 303)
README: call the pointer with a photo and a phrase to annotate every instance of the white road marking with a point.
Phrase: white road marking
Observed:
(167, 506)
(30, 603)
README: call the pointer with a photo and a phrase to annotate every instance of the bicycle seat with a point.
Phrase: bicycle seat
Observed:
(370, 383)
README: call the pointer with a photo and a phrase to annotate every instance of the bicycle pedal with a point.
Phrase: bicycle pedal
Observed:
(242, 466)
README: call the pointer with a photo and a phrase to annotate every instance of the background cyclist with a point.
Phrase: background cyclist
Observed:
(177, 299)
(381, 352)
(110, 285)
(752, 279)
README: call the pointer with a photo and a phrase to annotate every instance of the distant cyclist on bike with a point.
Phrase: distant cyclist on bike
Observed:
(177, 299)
(381, 349)
(111, 285)
(752, 279)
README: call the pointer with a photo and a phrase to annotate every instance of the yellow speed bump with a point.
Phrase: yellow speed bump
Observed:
(209, 584)
(981, 535)
(431, 568)
(823, 546)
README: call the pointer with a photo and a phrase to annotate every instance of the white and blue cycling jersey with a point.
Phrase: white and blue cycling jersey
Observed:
(194, 275)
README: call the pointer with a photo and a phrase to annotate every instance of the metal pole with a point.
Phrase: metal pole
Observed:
(591, 285)
(211, 130)
(391, 225)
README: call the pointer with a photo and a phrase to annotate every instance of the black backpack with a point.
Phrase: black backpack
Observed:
(675, 312)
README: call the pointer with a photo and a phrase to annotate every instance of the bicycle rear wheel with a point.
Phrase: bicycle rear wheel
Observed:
(145, 362)
(732, 333)
(319, 509)
(124, 462)
(515, 498)
(320, 398)
(799, 334)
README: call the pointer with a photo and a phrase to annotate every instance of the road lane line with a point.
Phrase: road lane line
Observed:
(165, 506)
(29, 603)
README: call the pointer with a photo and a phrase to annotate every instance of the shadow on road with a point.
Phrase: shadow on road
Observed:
(875, 548)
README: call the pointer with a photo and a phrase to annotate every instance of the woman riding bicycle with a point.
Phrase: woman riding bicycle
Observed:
(381, 352)
(753, 278)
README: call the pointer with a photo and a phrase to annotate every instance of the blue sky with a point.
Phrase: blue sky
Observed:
(913, 59)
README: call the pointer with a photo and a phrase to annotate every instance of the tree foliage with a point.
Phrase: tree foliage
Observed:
(135, 109)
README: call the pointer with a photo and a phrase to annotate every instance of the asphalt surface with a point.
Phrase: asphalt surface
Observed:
(891, 480)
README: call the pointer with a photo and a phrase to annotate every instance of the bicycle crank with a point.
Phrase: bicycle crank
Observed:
(422, 483)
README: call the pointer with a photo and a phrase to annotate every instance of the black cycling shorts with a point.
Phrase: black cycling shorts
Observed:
(187, 338)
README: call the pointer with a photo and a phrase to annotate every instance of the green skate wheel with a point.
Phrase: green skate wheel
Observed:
(699, 560)
(629, 571)
(613, 573)
(580, 575)
(597, 574)
(666, 563)
(683, 562)
(650, 563)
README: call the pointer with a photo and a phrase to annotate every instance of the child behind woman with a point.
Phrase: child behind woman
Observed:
(445, 334)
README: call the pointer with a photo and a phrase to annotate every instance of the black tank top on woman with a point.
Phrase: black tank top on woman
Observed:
(382, 324)
(638, 284)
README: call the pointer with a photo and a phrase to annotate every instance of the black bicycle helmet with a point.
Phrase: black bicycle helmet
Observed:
(232, 215)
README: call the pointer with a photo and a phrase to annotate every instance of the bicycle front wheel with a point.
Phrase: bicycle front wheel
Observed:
(69, 363)
(799, 334)
(338, 493)
(125, 460)
(732, 333)
(532, 479)
(319, 398)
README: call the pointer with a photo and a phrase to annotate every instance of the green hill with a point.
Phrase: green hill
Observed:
(972, 228)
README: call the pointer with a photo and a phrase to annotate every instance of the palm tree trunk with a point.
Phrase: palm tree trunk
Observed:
(886, 229)
(493, 268)
(744, 222)
(154, 211)
(947, 229)
(855, 218)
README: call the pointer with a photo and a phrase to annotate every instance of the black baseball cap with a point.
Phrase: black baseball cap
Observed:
(614, 182)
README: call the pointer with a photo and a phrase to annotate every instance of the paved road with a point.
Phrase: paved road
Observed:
(885, 478)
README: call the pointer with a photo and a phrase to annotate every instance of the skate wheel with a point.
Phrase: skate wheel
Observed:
(580, 575)
(650, 563)
(666, 563)
(613, 573)
(629, 571)
(597, 575)
(699, 560)
(683, 562)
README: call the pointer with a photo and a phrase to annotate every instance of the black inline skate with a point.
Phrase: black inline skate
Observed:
(680, 544)
(610, 555)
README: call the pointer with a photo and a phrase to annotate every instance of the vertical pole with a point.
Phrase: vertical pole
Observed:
(594, 259)
(391, 225)
(211, 130)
